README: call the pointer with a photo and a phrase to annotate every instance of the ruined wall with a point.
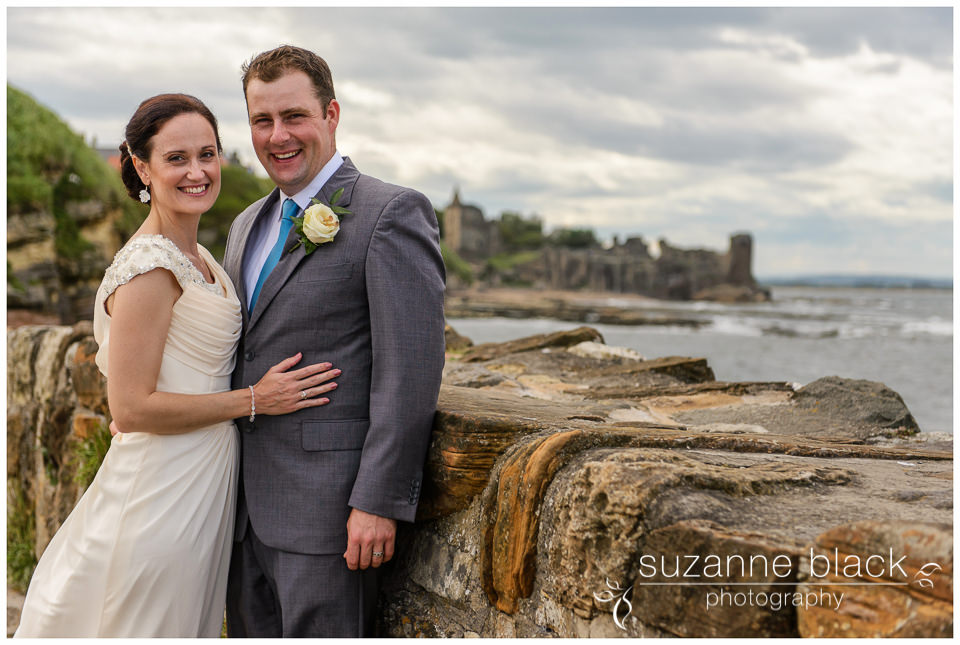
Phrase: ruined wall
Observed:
(677, 274)
(627, 267)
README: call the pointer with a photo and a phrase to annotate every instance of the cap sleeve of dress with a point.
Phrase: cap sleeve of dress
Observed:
(146, 253)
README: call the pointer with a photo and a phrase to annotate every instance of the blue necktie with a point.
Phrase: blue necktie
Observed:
(290, 209)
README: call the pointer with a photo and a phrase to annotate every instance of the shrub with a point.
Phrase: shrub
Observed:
(90, 454)
(21, 538)
(455, 264)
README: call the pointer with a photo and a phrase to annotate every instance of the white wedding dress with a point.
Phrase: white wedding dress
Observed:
(147, 548)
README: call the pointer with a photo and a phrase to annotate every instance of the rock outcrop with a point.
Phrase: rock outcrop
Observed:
(583, 307)
(56, 398)
(575, 492)
(67, 214)
(907, 592)
(554, 476)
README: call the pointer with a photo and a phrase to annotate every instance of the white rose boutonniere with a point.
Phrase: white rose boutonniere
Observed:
(319, 224)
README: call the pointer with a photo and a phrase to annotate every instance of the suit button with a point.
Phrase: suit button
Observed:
(249, 355)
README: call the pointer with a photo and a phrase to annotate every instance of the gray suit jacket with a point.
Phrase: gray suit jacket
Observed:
(371, 303)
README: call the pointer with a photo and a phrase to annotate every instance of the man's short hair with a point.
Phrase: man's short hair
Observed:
(271, 65)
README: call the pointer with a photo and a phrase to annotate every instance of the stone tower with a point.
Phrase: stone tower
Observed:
(740, 259)
(467, 232)
(453, 222)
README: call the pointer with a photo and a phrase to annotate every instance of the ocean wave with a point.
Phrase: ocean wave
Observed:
(735, 327)
(932, 327)
(860, 331)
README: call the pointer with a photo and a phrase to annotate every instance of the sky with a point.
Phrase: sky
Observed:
(825, 133)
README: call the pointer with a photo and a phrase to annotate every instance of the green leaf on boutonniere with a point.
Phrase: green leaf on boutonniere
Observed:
(339, 210)
(298, 227)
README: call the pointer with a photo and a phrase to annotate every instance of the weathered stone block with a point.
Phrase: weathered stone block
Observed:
(88, 382)
(857, 401)
(454, 341)
(86, 423)
(489, 351)
(738, 574)
(896, 579)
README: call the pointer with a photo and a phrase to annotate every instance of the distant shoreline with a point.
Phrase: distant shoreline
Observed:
(859, 282)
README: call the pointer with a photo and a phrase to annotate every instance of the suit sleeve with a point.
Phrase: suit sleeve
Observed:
(405, 282)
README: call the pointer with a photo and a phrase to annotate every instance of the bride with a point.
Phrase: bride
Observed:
(146, 550)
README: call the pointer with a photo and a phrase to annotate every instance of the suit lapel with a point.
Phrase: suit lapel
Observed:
(345, 177)
(235, 266)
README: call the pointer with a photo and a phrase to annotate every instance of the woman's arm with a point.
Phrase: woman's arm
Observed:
(141, 311)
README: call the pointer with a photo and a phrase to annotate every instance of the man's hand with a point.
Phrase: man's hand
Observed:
(369, 539)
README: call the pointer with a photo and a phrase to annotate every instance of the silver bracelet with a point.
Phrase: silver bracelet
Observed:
(253, 405)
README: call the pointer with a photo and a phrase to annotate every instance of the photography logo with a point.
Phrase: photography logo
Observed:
(828, 574)
(620, 595)
(922, 576)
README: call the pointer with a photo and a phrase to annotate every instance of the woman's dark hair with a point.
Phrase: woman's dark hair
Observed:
(146, 122)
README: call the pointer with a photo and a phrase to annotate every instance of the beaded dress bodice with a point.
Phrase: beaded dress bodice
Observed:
(206, 322)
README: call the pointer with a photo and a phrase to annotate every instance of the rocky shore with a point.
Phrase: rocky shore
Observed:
(574, 489)
(571, 306)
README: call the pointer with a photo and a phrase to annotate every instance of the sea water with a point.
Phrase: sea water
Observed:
(900, 337)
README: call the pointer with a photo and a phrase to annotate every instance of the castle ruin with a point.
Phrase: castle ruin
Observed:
(625, 267)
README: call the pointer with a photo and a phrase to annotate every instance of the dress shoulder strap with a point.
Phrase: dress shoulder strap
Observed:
(148, 252)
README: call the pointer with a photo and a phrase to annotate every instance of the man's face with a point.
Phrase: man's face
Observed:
(293, 135)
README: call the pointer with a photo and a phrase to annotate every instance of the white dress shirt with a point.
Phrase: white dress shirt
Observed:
(265, 232)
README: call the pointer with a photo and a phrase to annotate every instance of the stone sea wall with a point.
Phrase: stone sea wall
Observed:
(569, 482)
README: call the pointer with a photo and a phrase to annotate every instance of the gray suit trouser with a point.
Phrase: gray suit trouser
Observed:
(278, 594)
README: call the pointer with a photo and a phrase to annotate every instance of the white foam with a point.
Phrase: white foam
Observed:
(735, 327)
(934, 327)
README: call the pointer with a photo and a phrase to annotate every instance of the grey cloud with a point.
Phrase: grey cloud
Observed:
(940, 190)
(462, 32)
(925, 33)
(737, 144)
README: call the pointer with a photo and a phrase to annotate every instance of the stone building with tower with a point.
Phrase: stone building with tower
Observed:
(466, 231)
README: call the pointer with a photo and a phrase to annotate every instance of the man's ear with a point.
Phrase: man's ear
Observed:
(333, 112)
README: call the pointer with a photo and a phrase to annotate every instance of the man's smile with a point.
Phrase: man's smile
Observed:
(283, 156)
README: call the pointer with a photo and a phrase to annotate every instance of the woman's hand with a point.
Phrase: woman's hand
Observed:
(281, 391)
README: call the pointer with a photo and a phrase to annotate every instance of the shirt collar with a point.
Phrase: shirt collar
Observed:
(304, 197)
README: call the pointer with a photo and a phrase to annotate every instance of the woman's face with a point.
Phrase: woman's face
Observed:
(183, 172)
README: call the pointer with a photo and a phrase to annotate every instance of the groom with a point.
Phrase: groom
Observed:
(321, 489)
